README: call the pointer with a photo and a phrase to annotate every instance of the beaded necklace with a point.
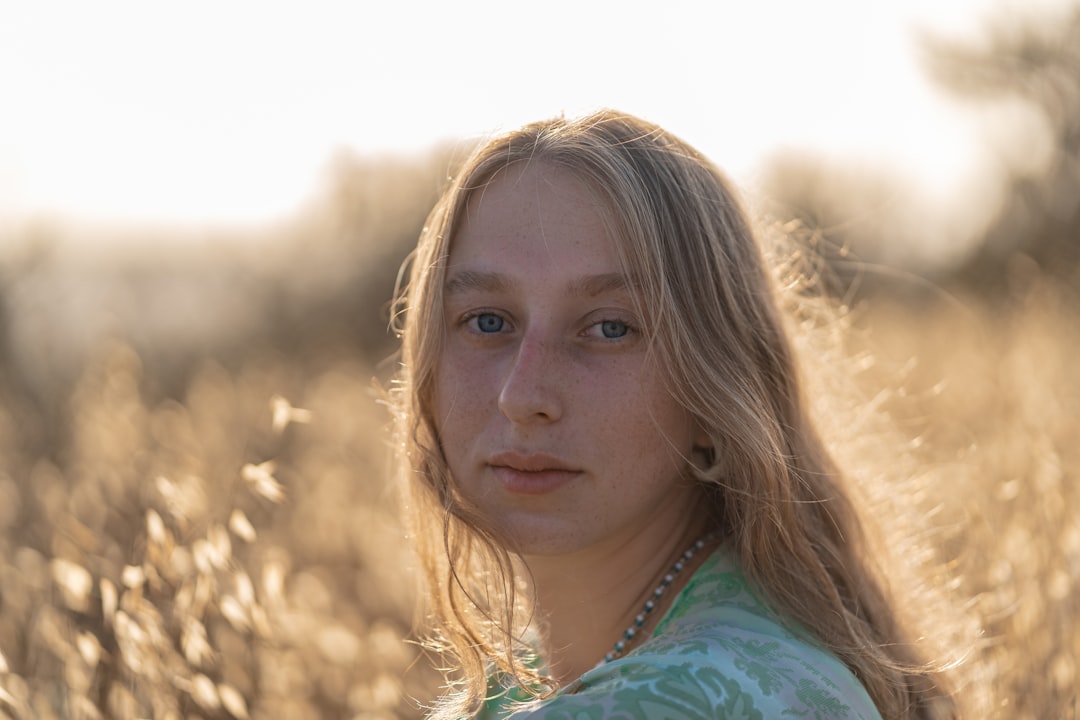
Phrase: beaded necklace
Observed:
(650, 604)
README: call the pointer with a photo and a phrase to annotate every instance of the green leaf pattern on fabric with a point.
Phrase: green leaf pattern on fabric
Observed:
(717, 653)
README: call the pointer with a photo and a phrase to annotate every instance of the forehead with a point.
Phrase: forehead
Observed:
(538, 217)
(520, 192)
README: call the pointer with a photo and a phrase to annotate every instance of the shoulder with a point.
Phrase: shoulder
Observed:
(718, 653)
(650, 688)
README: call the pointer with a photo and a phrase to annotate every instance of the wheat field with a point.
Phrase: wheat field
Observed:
(226, 541)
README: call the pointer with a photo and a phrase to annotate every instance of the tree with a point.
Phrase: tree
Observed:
(1036, 60)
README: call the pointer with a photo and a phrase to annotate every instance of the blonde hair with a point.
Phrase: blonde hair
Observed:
(710, 309)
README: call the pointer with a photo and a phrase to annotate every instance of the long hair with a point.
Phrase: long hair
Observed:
(711, 310)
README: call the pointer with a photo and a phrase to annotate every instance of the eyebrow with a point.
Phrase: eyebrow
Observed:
(589, 285)
(466, 280)
(594, 285)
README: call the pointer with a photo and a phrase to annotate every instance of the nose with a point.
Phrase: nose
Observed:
(531, 391)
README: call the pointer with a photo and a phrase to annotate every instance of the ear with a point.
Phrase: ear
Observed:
(704, 449)
(701, 437)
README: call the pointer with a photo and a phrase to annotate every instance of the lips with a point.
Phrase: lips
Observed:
(531, 474)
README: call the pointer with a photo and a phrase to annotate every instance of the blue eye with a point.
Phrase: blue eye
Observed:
(488, 323)
(614, 329)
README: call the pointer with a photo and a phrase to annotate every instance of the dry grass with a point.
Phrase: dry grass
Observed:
(208, 558)
(231, 553)
(199, 559)
(992, 396)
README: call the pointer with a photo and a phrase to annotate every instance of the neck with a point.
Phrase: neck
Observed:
(587, 600)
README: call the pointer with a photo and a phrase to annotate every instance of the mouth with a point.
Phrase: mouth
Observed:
(530, 462)
(531, 474)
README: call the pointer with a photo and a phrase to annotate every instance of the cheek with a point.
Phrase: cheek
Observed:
(458, 399)
(645, 423)
(444, 405)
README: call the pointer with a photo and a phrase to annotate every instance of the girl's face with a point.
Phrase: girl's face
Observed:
(552, 414)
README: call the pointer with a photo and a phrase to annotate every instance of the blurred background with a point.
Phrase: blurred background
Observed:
(203, 208)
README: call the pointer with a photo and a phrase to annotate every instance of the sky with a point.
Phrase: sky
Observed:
(230, 112)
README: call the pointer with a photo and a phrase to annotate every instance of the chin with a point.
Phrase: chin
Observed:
(548, 541)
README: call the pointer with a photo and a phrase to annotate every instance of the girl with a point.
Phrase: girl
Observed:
(621, 505)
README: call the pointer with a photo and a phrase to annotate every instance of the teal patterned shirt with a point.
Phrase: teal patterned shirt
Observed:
(717, 653)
